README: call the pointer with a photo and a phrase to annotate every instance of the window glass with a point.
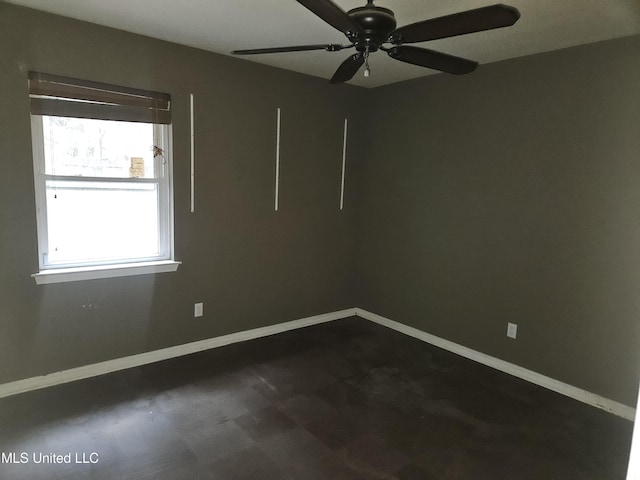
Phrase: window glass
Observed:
(101, 221)
(97, 148)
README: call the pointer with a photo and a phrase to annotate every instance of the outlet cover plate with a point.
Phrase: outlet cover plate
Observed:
(512, 330)
(198, 310)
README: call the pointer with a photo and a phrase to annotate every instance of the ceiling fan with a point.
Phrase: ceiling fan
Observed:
(369, 28)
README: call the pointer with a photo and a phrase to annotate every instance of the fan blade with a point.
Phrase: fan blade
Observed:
(348, 68)
(486, 18)
(332, 14)
(431, 59)
(299, 48)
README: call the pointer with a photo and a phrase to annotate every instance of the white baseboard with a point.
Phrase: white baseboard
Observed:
(576, 393)
(109, 366)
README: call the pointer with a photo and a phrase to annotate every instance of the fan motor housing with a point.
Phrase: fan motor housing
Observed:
(376, 23)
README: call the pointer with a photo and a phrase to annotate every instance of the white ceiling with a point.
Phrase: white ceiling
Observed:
(224, 25)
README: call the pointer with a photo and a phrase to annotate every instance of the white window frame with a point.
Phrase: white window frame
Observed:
(68, 272)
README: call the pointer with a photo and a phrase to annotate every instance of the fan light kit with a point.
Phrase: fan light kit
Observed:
(371, 28)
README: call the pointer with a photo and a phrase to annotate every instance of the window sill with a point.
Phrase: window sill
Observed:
(62, 275)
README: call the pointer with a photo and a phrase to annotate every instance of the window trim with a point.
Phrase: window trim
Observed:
(51, 273)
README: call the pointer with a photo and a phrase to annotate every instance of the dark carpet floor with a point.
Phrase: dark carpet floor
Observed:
(343, 400)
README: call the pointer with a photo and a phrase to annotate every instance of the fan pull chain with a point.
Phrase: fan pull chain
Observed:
(367, 70)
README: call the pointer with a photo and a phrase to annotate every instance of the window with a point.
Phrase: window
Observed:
(102, 171)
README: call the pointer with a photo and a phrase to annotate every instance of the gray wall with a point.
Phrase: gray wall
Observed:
(249, 265)
(513, 194)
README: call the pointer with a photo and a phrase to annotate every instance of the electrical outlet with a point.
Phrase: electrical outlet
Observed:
(512, 330)
(198, 310)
